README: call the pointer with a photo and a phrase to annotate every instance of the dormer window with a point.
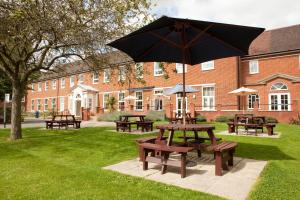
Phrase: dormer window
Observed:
(253, 67)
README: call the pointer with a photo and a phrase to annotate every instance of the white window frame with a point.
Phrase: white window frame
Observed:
(81, 78)
(52, 104)
(39, 104)
(179, 68)
(251, 64)
(279, 89)
(121, 101)
(95, 77)
(54, 84)
(40, 87)
(122, 73)
(138, 100)
(139, 70)
(90, 102)
(72, 81)
(61, 104)
(62, 83)
(279, 101)
(46, 85)
(157, 70)
(46, 104)
(104, 101)
(209, 65)
(213, 97)
(257, 98)
(32, 105)
(32, 87)
(158, 91)
(106, 75)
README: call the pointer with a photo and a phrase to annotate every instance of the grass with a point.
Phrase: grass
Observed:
(67, 165)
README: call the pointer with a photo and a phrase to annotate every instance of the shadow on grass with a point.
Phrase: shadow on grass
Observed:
(261, 152)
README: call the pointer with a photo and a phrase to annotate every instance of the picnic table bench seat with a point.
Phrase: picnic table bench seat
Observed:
(163, 158)
(145, 125)
(223, 154)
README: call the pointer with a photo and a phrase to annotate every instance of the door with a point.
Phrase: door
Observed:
(78, 108)
(179, 104)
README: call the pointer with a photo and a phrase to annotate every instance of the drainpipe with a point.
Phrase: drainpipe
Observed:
(238, 79)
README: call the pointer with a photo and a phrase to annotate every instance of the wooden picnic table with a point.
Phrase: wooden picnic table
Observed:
(187, 127)
(126, 117)
(62, 121)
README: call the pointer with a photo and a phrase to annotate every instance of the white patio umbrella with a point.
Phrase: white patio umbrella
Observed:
(179, 89)
(243, 91)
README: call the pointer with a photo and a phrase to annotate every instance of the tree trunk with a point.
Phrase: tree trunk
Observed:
(16, 111)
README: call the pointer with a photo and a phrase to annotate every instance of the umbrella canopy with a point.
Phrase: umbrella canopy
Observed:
(186, 41)
(179, 89)
(130, 97)
(242, 91)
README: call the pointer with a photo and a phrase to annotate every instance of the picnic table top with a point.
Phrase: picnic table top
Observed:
(132, 115)
(186, 127)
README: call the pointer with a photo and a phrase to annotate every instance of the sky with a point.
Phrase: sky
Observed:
(269, 14)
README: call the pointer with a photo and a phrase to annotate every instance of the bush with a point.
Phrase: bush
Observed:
(110, 117)
(201, 118)
(224, 118)
(271, 119)
(155, 115)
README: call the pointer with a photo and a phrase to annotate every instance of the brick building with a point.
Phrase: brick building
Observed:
(272, 67)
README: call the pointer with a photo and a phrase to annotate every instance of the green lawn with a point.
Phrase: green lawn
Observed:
(67, 165)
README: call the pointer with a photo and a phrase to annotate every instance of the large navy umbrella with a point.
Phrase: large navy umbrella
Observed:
(186, 41)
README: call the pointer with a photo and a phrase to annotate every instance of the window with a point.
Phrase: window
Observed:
(46, 86)
(158, 70)
(32, 105)
(122, 74)
(72, 81)
(121, 101)
(158, 102)
(106, 75)
(95, 77)
(253, 67)
(80, 78)
(179, 68)
(54, 84)
(53, 103)
(208, 98)
(139, 71)
(39, 87)
(62, 83)
(279, 86)
(105, 100)
(251, 99)
(61, 104)
(209, 65)
(279, 102)
(39, 105)
(90, 103)
(45, 104)
(139, 101)
(32, 87)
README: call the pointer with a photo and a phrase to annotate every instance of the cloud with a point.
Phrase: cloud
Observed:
(263, 13)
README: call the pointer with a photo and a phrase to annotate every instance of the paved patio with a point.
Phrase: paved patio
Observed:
(251, 133)
(234, 184)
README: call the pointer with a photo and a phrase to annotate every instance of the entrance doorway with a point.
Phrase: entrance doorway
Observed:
(179, 104)
(78, 108)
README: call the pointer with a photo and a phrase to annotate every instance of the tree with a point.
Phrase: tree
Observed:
(35, 35)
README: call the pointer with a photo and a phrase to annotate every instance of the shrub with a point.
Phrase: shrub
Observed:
(110, 117)
(271, 119)
(224, 118)
(201, 118)
(155, 115)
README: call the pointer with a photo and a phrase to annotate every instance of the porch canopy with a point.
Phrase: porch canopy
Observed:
(186, 41)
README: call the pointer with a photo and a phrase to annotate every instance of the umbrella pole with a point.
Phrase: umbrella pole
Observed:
(184, 95)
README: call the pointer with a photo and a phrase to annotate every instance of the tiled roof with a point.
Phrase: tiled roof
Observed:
(276, 40)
